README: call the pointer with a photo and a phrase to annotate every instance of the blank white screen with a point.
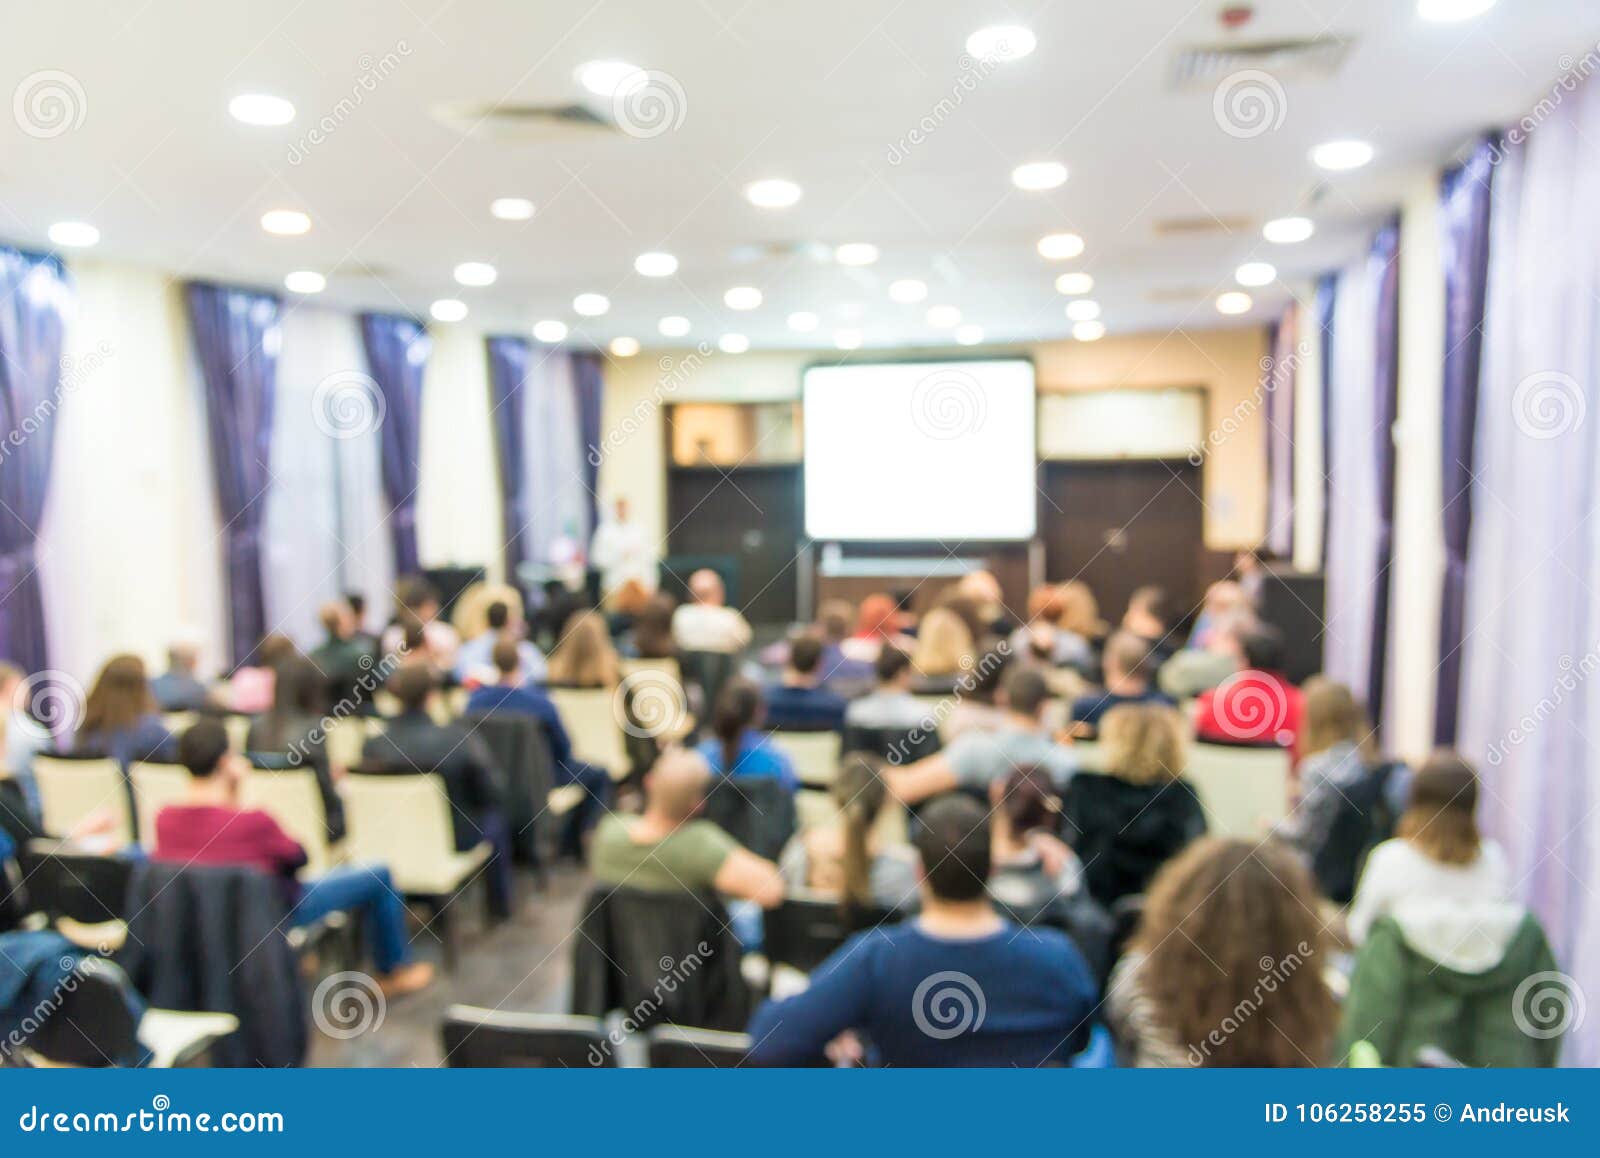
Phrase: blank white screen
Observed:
(920, 450)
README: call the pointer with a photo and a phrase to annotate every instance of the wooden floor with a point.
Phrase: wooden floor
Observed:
(523, 965)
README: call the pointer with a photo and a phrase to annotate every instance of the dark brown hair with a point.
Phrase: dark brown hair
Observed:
(120, 695)
(1441, 819)
(859, 792)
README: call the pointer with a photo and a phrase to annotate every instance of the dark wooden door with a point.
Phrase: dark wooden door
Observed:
(1121, 525)
(746, 516)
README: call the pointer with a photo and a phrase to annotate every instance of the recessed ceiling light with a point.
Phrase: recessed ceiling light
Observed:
(604, 77)
(511, 208)
(1449, 11)
(847, 339)
(475, 273)
(624, 347)
(1288, 230)
(733, 343)
(656, 264)
(74, 234)
(803, 322)
(1256, 273)
(1341, 156)
(590, 305)
(943, 317)
(1089, 331)
(1003, 42)
(550, 330)
(1060, 246)
(1234, 302)
(1083, 310)
(673, 326)
(969, 335)
(285, 222)
(772, 193)
(448, 310)
(856, 253)
(259, 108)
(908, 291)
(1073, 284)
(305, 281)
(1037, 176)
(742, 297)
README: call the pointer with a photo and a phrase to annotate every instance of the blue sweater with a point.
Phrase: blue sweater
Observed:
(527, 700)
(1018, 997)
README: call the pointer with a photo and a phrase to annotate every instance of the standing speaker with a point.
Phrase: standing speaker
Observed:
(1293, 602)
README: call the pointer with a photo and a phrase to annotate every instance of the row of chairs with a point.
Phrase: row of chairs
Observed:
(1244, 790)
(480, 1038)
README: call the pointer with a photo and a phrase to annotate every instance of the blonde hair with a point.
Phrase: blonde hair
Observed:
(583, 657)
(943, 642)
(1080, 612)
(1143, 743)
(1333, 715)
(860, 793)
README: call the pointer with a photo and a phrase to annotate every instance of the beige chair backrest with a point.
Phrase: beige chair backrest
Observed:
(71, 791)
(178, 722)
(455, 704)
(592, 717)
(154, 787)
(345, 737)
(404, 822)
(1244, 790)
(1087, 753)
(238, 729)
(666, 665)
(293, 799)
(815, 755)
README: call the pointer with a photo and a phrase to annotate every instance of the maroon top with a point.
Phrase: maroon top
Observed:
(216, 834)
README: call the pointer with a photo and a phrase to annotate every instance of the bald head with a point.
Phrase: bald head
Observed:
(706, 587)
(676, 784)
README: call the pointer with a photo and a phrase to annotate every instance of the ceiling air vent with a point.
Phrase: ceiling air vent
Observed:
(1206, 65)
(1205, 225)
(1177, 295)
(521, 123)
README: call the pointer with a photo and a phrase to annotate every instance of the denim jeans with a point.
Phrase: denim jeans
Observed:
(364, 889)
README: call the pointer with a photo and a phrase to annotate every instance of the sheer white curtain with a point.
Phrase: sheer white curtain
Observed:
(1530, 697)
(557, 498)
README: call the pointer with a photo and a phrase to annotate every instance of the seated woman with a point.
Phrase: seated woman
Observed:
(650, 637)
(847, 858)
(977, 708)
(877, 626)
(250, 688)
(1034, 874)
(944, 652)
(295, 728)
(737, 746)
(1126, 824)
(1044, 636)
(583, 656)
(1225, 968)
(119, 717)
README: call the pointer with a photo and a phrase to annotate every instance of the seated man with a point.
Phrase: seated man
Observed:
(958, 985)
(800, 702)
(890, 704)
(210, 827)
(1257, 705)
(669, 850)
(1194, 670)
(975, 760)
(178, 689)
(1125, 663)
(512, 693)
(344, 661)
(413, 744)
(704, 623)
(475, 660)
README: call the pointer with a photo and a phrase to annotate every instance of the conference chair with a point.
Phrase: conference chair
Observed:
(703, 674)
(814, 808)
(1244, 790)
(154, 787)
(72, 789)
(896, 745)
(81, 887)
(666, 666)
(179, 722)
(757, 811)
(1088, 755)
(802, 931)
(293, 798)
(344, 737)
(404, 822)
(592, 717)
(674, 1047)
(237, 726)
(477, 1038)
(815, 755)
(522, 752)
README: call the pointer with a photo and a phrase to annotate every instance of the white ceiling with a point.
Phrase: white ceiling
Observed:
(818, 92)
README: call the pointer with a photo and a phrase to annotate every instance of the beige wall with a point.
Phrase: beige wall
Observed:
(1226, 363)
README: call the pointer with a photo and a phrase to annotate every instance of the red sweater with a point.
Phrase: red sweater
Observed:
(1252, 707)
(217, 834)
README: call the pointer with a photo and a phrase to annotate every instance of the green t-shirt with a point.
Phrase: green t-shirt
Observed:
(687, 860)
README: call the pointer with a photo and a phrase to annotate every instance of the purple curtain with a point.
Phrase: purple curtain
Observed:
(1277, 381)
(508, 370)
(236, 338)
(1464, 205)
(397, 353)
(35, 298)
(1384, 265)
(588, 381)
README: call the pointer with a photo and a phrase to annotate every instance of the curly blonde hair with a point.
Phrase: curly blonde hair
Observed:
(1143, 743)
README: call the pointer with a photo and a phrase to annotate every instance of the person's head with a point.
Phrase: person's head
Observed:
(298, 688)
(1147, 612)
(1126, 660)
(620, 506)
(337, 620)
(676, 784)
(1441, 818)
(584, 657)
(1024, 801)
(893, 668)
(183, 656)
(630, 597)
(412, 683)
(203, 750)
(983, 589)
(877, 616)
(859, 793)
(953, 842)
(1143, 743)
(805, 659)
(835, 619)
(1230, 923)
(498, 616)
(1025, 691)
(1045, 605)
(739, 708)
(1333, 715)
(357, 603)
(507, 659)
(413, 636)
(705, 587)
(119, 696)
(988, 675)
(1248, 562)
(1080, 611)
(274, 648)
(1263, 648)
(1223, 596)
(1227, 634)
(652, 627)
(416, 595)
(964, 608)
(944, 644)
